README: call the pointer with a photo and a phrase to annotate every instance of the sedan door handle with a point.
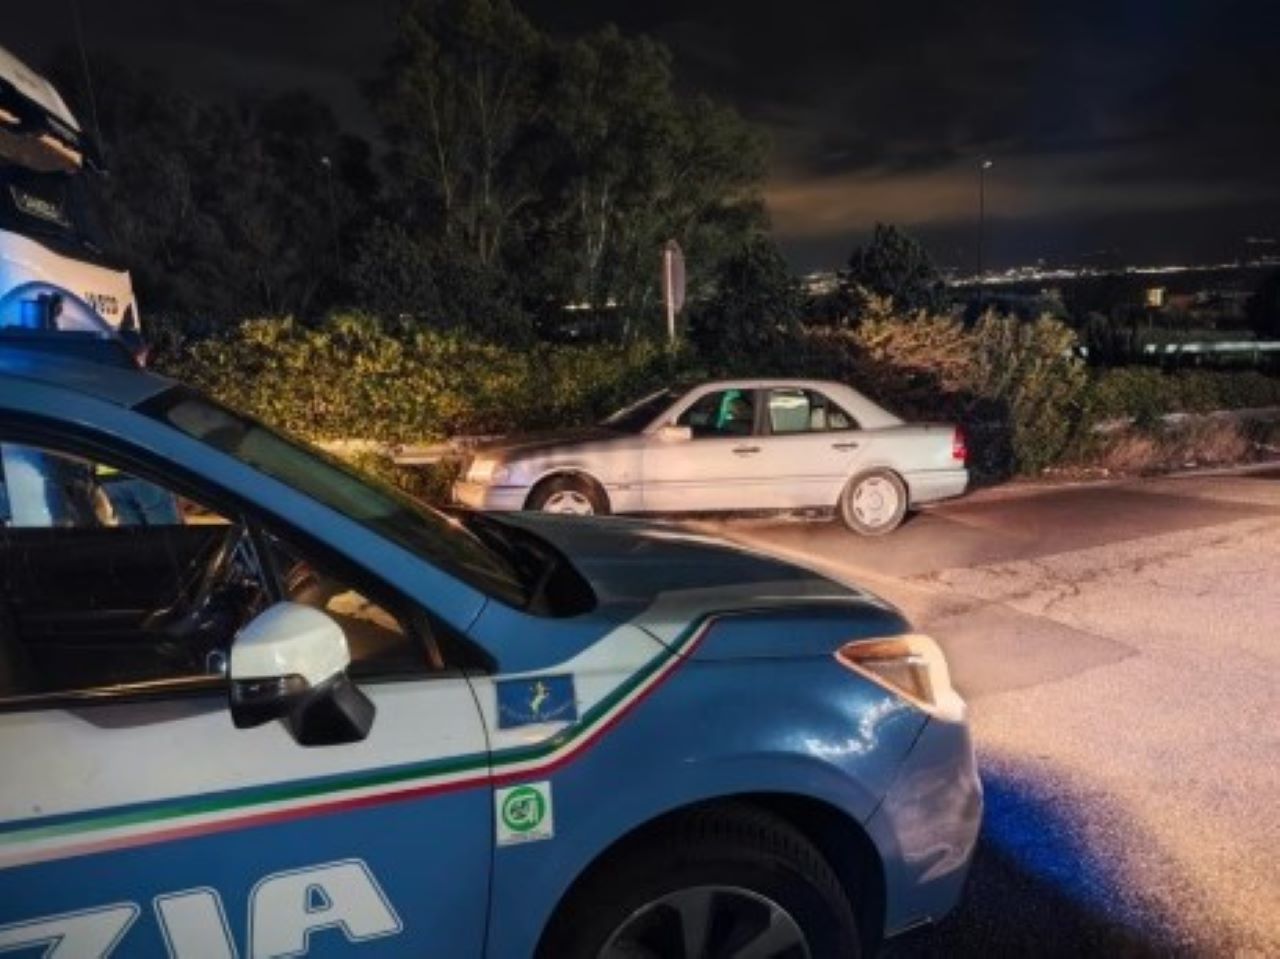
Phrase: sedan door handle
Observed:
(746, 450)
(844, 446)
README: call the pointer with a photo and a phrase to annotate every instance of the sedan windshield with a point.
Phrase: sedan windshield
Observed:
(435, 536)
(634, 418)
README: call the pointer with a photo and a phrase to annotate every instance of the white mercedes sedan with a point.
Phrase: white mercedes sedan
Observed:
(728, 446)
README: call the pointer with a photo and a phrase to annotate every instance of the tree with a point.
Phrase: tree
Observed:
(223, 210)
(523, 174)
(559, 169)
(755, 306)
(894, 265)
(1264, 307)
(392, 274)
(396, 274)
(640, 165)
(462, 96)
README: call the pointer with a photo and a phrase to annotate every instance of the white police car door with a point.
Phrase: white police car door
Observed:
(135, 820)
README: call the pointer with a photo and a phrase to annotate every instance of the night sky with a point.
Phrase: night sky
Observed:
(1149, 127)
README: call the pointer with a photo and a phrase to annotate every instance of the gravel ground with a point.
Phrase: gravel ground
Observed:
(1120, 650)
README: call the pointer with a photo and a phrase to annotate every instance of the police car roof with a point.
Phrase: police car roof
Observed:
(111, 382)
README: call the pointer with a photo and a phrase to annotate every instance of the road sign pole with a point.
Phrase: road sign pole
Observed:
(673, 286)
(669, 289)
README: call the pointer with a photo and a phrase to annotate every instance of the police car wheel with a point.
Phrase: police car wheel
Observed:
(722, 881)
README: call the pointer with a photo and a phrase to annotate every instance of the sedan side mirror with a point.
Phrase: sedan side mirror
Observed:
(291, 663)
(670, 433)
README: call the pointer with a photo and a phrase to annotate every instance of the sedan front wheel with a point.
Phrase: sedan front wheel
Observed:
(569, 495)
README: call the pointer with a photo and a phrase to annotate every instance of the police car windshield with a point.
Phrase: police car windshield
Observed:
(431, 534)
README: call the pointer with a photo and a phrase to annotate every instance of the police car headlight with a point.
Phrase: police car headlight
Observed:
(913, 666)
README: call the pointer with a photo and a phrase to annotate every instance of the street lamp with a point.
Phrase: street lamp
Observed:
(983, 167)
(333, 214)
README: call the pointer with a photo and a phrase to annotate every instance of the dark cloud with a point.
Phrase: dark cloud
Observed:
(329, 47)
(1147, 125)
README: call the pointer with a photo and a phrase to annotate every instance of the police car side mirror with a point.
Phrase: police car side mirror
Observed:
(670, 433)
(290, 662)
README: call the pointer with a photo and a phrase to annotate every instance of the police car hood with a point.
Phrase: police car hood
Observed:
(667, 580)
(633, 559)
(637, 562)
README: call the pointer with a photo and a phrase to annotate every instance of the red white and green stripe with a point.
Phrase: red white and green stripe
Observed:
(28, 841)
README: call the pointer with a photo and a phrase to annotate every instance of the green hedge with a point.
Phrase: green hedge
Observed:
(354, 378)
(1015, 384)
(1146, 394)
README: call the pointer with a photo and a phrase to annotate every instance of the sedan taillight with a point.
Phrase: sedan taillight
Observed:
(959, 446)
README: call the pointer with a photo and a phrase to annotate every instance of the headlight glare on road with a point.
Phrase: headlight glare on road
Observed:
(913, 666)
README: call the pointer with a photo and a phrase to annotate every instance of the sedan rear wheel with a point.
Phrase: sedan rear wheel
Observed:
(874, 503)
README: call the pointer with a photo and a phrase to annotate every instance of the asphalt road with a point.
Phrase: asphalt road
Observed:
(1119, 646)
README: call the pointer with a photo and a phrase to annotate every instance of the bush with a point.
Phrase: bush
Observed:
(1145, 394)
(1201, 442)
(354, 377)
(1031, 370)
(935, 353)
(1016, 385)
(430, 484)
(754, 307)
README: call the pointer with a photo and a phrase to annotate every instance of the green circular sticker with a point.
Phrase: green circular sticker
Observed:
(523, 809)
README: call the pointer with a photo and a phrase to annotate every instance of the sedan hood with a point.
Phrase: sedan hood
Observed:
(525, 443)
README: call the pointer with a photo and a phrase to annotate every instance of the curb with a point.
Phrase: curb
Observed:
(1031, 488)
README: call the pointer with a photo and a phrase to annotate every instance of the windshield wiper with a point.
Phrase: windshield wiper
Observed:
(513, 545)
(535, 561)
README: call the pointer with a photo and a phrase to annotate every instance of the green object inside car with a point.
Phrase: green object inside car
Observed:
(728, 401)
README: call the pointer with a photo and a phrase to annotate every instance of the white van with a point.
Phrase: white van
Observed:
(46, 237)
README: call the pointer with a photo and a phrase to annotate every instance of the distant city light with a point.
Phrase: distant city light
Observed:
(822, 282)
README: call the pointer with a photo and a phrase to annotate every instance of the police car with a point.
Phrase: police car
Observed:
(293, 713)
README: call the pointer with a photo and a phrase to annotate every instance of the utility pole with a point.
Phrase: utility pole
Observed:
(333, 214)
(983, 167)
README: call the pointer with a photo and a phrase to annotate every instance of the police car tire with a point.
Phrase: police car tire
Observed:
(737, 845)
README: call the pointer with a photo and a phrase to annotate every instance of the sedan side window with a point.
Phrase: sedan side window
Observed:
(793, 410)
(722, 413)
